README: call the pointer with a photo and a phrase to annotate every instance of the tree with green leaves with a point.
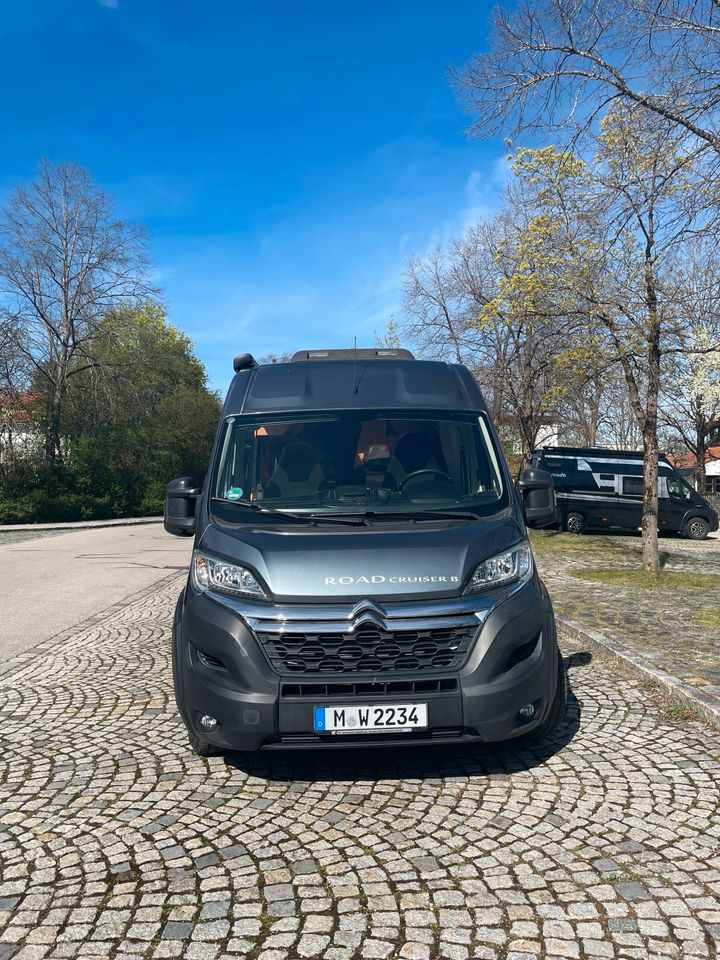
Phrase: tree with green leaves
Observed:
(150, 418)
(537, 311)
(637, 204)
(492, 300)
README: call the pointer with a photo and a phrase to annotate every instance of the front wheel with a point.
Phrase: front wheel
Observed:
(697, 528)
(201, 746)
(575, 523)
(557, 707)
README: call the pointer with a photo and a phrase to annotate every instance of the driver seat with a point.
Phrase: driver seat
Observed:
(376, 462)
(414, 451)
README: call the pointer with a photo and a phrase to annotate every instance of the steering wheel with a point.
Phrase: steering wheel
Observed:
(419, 473)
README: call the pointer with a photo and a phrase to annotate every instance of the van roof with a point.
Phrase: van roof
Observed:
(342, 384)
(609, 453)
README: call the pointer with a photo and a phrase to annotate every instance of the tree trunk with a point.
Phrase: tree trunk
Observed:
(53, 447)
(651, 552)
(700, 447)
(527, 450)
(53, 453)
(651, 451)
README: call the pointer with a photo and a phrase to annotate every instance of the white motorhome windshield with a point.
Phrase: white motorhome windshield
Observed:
(357, 462)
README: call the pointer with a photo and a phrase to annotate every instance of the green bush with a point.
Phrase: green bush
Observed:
(44, 506)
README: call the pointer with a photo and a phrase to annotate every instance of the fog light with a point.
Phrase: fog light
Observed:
(208, 723)
(528, 711)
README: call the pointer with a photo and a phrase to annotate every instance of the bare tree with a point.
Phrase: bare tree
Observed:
(490, 302)
(275, 358)
(434, 303)
(558, 64)
(445, 294)
(475, 268)
(65, 262)
(581, 376)
(617, 424)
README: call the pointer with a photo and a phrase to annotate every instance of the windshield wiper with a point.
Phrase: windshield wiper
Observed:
(413, 515)
(310, 518)
(423, 515)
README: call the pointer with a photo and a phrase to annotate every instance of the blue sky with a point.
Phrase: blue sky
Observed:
(286, 157)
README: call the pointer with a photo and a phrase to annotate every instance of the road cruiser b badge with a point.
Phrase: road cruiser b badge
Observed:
(377, 578)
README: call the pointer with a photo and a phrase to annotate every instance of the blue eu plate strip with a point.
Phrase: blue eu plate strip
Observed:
(319, 718)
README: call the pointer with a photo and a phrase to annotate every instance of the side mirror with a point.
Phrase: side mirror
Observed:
(538, 495)
(180, 498)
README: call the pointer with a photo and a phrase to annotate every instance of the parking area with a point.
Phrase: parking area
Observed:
(673, 625)
(116, 841)
(57, 578)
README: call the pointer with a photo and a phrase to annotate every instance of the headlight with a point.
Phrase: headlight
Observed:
(507, 567)
(211, 574)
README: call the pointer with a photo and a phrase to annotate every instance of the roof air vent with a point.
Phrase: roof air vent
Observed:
(377, 353)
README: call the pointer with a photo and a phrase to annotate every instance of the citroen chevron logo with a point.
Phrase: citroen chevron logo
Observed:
(367, 611)
(367, 605)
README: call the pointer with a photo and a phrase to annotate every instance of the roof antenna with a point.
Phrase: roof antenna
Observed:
(355, 381)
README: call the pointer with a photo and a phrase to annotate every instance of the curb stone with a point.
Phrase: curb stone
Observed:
(703, 705)
(79, 524)
(8, 667)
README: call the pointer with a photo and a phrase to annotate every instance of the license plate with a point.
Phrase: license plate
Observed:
(370, 719)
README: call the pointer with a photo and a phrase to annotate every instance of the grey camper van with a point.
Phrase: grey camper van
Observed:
(601, 488)
(361, 572)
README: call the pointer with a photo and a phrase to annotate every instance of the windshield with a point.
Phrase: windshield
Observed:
(358, 462)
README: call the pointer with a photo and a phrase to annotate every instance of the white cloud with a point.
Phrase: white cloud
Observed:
(483, 191)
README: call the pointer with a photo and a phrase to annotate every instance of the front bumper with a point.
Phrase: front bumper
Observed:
(221, 670)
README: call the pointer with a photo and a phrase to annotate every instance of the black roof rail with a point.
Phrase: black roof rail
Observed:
(373, 353)
(244, 361)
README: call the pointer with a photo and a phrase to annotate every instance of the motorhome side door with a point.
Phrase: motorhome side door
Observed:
(630, 502)
(605, 508)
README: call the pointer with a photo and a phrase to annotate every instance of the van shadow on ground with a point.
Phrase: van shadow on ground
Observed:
(416, 762)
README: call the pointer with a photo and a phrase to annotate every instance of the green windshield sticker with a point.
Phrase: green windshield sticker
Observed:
(234, 493)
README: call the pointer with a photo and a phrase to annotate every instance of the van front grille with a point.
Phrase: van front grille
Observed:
(437, 733)
(369, 649)
(368, 688)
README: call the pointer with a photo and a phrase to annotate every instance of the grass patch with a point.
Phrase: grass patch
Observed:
(266, 922)
(677, 710)
(564, 544)
(710, 618)
(666, 579)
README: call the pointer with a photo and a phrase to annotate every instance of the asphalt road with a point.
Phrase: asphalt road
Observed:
(117, 843)
(51, 582)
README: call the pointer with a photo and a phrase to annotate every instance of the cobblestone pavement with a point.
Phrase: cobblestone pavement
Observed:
(657, 624)
(117, 842)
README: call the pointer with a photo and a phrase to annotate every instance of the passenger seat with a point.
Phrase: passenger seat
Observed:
(298, 473)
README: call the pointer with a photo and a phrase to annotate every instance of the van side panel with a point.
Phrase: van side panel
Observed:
(606, 488)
